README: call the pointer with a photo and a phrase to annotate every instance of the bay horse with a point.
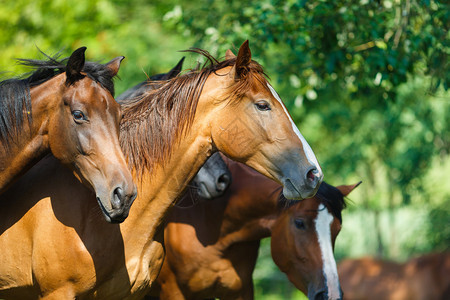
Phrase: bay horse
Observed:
(67, 110)
(151, 83)
(213, 178)
(212, 247)
(55, 247)
(421, 278)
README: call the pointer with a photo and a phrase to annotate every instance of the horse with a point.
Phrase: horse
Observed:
(53, 244)
(213, 178)
(67, 110)
(212, 247)
(150, 84)
(421, 278)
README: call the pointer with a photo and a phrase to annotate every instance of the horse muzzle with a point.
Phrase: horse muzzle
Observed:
(302, 185)
(118, 208)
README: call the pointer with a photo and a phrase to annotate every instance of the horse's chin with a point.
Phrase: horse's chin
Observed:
(107, 215)
(203, 192)
(290, 191)
(293, 192)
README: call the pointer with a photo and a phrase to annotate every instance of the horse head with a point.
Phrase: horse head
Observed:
(249, 123)
(303, 238)
(84, 132)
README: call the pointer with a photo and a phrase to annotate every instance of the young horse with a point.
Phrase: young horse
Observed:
(227, 106)
(67, 110)
(213, 178)
(211, 248)
(421, 278)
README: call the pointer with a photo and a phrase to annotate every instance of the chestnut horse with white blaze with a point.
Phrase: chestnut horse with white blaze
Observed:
(67, 110)
(212, 247)
(54, 245)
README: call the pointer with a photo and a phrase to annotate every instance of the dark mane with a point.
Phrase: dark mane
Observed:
(15, 92)
(154, 122)
(333, 198)
(327, 194)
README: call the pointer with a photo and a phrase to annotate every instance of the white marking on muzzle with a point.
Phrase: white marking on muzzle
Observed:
(306, 148)
(323, 222)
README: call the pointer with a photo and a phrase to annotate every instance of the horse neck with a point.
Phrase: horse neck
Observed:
(159, 189)
(31, 143)
(252, 206)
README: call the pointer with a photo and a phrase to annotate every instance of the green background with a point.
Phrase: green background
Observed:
(365, 81)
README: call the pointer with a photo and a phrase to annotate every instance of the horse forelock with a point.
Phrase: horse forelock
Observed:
(52, 66)
(332, 198)
(15, 99)
(155, 121)
(254, 72)
(327, 194)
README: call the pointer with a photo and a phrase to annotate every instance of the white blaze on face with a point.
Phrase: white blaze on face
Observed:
(323, 222)
(306, 148)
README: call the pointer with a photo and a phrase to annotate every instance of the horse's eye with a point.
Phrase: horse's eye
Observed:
(299, 223)
(78, 115)
(262, 105)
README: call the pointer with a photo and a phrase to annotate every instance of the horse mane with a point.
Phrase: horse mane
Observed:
(155, 121)
(15, 95)
(327, 194)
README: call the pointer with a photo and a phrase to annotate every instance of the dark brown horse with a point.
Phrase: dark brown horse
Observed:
(422, 278)
(67, 110)
(211, 248)
(55, 247)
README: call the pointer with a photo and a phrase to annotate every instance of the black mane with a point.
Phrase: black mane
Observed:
(333, 198)
(327, 194)
(15, 92)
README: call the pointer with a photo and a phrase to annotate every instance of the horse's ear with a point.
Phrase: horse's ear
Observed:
(75, 65)
(114, 65)
(346, 189)
(175, 70)
(243, 60)
(229, 54)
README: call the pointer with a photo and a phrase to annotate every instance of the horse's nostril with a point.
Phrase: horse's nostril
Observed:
(117, 199)
(321, 296)
(312, 176)
(223, 182)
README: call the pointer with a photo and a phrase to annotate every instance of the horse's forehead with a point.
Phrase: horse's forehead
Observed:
(92, 94)
(260, 86)
(333, 222)
(310, 205)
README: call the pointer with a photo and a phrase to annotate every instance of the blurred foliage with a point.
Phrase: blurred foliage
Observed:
(363, 46)
(366, 81)
(107, 28)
